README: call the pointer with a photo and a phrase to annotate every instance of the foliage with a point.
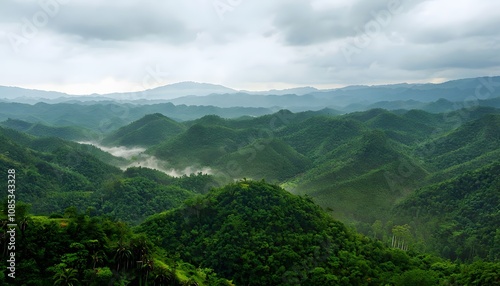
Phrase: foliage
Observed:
(85, 250)
(458, 218)
(411, 180)
(259, 234)
(150, 130)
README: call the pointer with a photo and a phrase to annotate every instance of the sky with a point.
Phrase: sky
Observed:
(92, 46)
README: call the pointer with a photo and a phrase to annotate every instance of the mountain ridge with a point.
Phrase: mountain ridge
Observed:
(191, 88)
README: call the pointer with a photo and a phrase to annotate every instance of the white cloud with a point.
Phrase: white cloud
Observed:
(137, 158)
(96, 46)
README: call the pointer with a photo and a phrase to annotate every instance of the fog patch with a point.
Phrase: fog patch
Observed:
(138, 158)
(151, 162)
(120, 151)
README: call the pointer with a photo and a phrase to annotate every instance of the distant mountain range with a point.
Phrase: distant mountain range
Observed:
(351, 98)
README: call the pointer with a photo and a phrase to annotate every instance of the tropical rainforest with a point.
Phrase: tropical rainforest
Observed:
(244, 196)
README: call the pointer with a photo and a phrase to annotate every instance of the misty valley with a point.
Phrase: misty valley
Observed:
(379, 185)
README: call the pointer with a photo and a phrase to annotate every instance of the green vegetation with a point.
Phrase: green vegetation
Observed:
(459, 218)
(422, 187)
(54, 174)
(87, 250)
(259, 234)
(42, 130)
(147, 131)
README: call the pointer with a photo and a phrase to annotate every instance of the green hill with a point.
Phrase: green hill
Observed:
(360, 180)
(401, 128)
(357, 164)
(269, 159)
(469, 142)
(150, 130)
(458, 218)
(79, 249)
(54, 174)
(319, 135)
(259, 234)
(413, 179)
(38, 129)
(203, 144)
(233, 152)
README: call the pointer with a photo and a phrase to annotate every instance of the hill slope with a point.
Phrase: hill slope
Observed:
(148, 131)
(259, 234)
(38, 129)
(458, 218)
(357, 179)
(55, 174)
(469, 147)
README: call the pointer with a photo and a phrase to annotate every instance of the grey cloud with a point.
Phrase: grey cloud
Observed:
(14, 11)
(486, 28)
(301, 25)
(451, 58)
(121, 23)
(280, 41)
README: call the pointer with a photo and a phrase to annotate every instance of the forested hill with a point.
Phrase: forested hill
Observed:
(150, 130)
(459, 218)
(79, 249)
(259, 234)
(54, 174)
(358, 164)
(411, 180)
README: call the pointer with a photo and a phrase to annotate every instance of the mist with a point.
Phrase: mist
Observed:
(151, 162)
(138, 158)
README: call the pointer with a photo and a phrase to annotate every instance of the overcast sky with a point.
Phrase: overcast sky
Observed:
(86, 46)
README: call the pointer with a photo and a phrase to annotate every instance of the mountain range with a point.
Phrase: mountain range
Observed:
(351, 98)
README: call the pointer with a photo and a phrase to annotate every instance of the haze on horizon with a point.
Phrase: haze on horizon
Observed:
(84, 47)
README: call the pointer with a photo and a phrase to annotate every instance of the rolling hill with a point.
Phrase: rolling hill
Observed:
(259, 234)
(358, 164)
(356, 179)
(457, 218)
(72, 133)
(470, 146)
(55, 174)
(150, 130)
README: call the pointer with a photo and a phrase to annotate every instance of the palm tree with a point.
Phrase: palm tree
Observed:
(66, 277)
(147, 265)
(96, 258)
(166, 277)
(122, 256)
(140, 247)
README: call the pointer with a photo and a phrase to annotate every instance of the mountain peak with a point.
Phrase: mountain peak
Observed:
(187, 88)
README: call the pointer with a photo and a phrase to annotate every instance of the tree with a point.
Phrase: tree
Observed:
(401, 236)
(96, 259)
(417, 277)
(66, 277)
(495, 249)
(377, 228)
(123, 256)
(71, 212)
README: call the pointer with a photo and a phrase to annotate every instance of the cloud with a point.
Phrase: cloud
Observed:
(130, 21)
(123, 152)
(138, 158)
(104, 46)
(301, 25)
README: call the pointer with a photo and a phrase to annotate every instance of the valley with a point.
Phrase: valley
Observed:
(256, 195)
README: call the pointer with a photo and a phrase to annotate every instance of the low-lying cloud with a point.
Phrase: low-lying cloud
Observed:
(121, 151)
(151, 162)
(138, 158)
